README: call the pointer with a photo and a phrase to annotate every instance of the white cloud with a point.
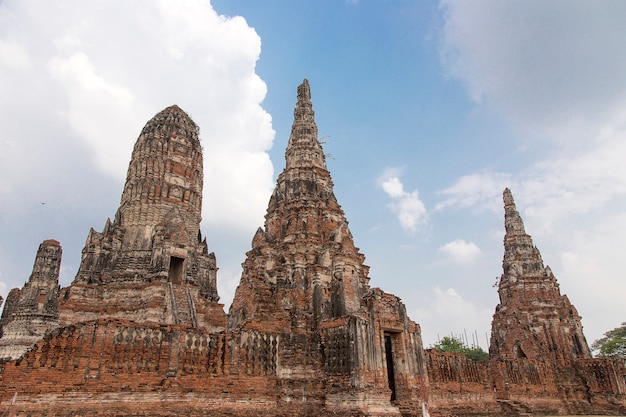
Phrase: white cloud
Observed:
(408, 207)
(460, 251)
(594, 255)
(553, 191)
(79, 69)
(13, 56)
(393, 187)
(483, 189)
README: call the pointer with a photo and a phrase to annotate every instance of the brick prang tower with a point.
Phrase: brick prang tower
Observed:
(33, 311)
(151, 261)
(533, 319)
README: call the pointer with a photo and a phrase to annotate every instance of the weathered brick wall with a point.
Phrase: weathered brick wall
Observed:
(96, 361)
(605, 382)
(111, 349)
(459, 385)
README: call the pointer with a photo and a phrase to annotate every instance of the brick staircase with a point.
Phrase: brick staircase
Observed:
(184, 310)
(515, 408)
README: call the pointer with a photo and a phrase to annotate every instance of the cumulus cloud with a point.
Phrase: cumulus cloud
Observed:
(407, 206)
(78, 81)
(460, 251)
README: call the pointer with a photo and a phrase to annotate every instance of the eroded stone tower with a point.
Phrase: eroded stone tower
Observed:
(151, 261)
(533, 319)
(305, 280)
(304, 261)
(33, 311)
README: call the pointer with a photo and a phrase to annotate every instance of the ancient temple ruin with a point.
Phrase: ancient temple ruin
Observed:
(305, 281)
(140, 330)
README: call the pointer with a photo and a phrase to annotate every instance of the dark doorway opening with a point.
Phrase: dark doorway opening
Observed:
(175, 274)
(390, 371)
(518, 352)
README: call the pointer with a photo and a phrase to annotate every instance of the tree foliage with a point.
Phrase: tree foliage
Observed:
(452, 344)
(613, 344)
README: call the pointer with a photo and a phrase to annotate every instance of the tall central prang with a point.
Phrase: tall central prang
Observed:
(305, 280)
(304, 261)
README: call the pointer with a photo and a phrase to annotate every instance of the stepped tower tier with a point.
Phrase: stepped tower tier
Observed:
(33, 311)
(151, 262)
(533, 319)
(305, 280)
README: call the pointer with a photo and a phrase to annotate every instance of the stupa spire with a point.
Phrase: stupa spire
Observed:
(304, 149)
(305, 185)
(533, 319)
(513, 222)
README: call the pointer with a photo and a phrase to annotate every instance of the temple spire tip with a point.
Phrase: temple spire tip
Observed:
(513, 222)
(507, 196)
(304, 91)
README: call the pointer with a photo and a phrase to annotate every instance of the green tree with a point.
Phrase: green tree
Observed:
(452, 344)
(613, 343)
(449, 344)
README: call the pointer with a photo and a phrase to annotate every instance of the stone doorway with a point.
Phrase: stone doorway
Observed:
(175, 274)
(391, 377)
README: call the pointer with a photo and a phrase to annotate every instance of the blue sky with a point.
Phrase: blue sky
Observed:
(429, 110)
